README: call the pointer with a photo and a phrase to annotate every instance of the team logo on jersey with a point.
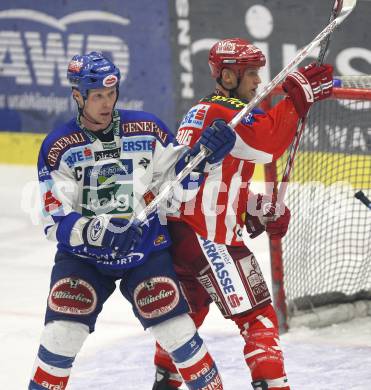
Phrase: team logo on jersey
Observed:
(148, 197)
(113, 199)
(100, 174)
(61, 144)
(72, 296)
(144, 162)
(44, 171)
(184, 136)
(146, 127)
(156, 297)
(109, 145)
(107, 154)
(248, 119)
(51, 203)
(108, 189)
(161, 239)
(138, 144)
(232, 103)
(132, 260)
(77, 155)
(196, 116)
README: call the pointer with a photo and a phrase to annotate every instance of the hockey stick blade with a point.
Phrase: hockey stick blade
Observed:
(348, 6)
(363, 198)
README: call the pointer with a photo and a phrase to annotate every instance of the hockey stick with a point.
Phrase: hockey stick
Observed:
(337, 9)
(346, 9)
(363, 198)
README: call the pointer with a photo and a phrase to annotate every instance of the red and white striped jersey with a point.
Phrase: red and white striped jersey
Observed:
(218, 211)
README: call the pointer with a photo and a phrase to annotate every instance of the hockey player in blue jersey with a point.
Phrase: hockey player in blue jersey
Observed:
(95, 172)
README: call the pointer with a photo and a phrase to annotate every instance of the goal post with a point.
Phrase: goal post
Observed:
(321, 269)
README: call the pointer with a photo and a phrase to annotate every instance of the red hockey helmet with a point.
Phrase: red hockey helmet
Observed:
(236, 54)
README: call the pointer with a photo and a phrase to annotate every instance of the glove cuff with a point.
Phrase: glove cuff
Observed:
(65, 228)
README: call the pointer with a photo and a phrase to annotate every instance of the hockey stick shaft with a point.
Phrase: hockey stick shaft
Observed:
(347, 8)
(301, 55)
(152, 206)
(336, 11)
(363, 198)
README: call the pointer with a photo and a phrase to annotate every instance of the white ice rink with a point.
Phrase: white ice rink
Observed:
(118, 356)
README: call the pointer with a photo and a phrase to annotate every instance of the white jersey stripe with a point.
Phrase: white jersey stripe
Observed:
(242, 150)
(234, 188)
(213, 186)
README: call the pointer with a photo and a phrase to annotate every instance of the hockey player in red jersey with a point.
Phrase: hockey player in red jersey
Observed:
(207, 235)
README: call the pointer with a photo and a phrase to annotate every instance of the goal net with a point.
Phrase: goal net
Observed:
(326, 255)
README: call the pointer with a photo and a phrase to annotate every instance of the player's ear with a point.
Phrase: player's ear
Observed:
(228, 77)
(77, 97)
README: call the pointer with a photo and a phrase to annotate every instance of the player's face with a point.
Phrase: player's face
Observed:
(99, 105)
(249, 84)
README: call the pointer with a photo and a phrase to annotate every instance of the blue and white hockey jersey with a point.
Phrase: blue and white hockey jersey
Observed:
(82, 177)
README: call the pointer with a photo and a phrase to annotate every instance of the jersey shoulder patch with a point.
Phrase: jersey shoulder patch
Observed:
(134, 123)
(60, 140)
(195, 117)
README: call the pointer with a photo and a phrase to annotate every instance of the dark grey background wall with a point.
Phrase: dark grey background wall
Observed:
(278, 27)
(161, 47)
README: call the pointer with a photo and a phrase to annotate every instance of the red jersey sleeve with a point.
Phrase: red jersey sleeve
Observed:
(261, 138)
(267, 138)
(193, 124)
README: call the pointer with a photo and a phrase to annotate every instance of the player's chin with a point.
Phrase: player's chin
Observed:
(105, 118)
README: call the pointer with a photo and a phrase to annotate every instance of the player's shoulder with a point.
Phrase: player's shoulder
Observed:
(136, 123)
(137, 116)
(65, 131)
(223, 104)
(60, 140)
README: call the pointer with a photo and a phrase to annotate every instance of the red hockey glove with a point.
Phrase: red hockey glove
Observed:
(308, 85)
(262, 215)
(277, 229)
